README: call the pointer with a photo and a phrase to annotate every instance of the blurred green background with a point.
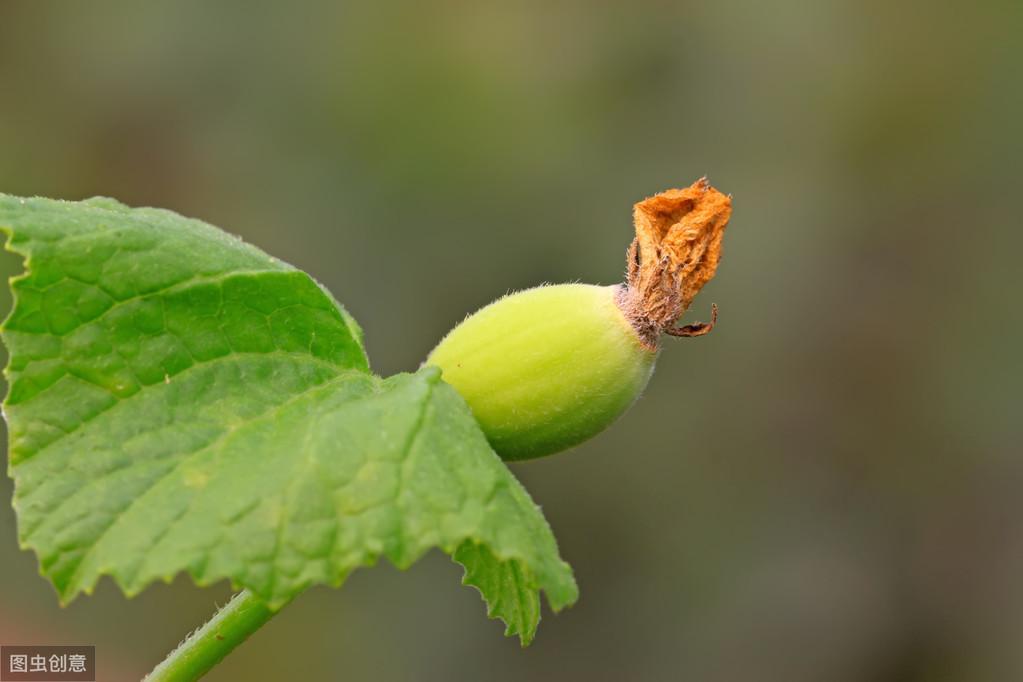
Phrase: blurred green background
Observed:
(829, 487)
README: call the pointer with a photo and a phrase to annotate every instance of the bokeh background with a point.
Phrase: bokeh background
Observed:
(829, 487)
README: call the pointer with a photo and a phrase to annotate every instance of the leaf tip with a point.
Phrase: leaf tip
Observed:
(430, 374)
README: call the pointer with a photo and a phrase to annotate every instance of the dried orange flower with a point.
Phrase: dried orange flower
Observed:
(675, 252)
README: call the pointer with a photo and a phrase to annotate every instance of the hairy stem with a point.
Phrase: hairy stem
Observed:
(208, 645)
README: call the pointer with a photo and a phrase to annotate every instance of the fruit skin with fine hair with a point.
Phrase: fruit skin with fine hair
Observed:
(546, 368)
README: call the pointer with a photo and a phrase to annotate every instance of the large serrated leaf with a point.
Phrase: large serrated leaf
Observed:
(180, 401)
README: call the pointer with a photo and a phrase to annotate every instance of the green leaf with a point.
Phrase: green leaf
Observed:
(180, 401)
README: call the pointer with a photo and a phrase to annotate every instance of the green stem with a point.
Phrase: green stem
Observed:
(208, 645)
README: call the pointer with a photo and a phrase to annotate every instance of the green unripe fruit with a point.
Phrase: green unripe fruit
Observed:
(546, 368)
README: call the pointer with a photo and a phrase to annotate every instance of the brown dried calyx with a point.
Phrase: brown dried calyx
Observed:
(675, 252)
